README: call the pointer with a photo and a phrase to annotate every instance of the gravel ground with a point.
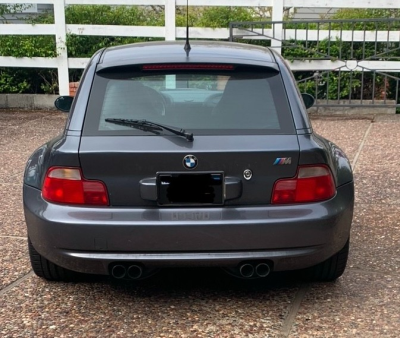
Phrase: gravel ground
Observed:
(365, 302)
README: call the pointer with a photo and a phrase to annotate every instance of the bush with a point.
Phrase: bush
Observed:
(46, 81)
(335, 85)
(20, 80)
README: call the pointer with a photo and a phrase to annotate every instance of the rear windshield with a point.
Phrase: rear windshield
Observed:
(203, 102)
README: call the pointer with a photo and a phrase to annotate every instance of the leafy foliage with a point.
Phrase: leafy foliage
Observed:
(347, 85)
(86, 46)
(11, 9)
(46, 80)
(221, 16)
(358, 19)
(341, 85)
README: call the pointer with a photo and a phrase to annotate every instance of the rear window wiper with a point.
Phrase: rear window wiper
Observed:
(151, 126)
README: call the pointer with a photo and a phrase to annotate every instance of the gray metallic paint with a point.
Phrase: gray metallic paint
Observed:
(316, 149)
(78, 108)
(88, 239)
(299, 111)
(62, 150)
(125, 160)
(276, 233)
(202, 52)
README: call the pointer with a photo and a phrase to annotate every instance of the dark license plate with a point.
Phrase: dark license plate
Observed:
(190, 189)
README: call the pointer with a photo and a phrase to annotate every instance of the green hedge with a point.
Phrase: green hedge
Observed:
(16, 80)
(21, 80)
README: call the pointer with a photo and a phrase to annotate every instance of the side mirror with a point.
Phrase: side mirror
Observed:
(308, 100)
(64, 103)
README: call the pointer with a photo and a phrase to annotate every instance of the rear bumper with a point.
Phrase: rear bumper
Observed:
(89, 239)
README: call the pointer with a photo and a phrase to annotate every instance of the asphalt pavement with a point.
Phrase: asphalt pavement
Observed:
(364, 302)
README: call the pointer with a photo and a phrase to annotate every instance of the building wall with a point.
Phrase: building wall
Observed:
(30, 11)
(313, 13)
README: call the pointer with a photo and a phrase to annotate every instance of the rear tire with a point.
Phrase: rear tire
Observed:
(333, 267)
(48, 270)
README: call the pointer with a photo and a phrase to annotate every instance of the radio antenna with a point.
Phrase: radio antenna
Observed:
(187, 47)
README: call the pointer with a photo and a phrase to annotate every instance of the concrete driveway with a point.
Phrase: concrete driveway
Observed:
(365, 302)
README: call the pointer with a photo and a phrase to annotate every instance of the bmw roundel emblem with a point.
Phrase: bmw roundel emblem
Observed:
(190, 161)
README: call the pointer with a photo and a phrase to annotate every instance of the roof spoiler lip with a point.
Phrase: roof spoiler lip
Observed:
(137, 66)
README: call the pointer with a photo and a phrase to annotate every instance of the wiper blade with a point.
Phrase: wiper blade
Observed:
(151, 126)
(135, 124)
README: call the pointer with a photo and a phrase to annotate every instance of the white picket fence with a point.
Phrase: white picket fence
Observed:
(170, 32)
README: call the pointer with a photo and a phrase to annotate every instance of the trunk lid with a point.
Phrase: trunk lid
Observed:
(129, 165)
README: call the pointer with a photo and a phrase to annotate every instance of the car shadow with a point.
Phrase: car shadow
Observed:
(177, 280)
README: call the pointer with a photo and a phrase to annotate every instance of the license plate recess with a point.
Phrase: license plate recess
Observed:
(186, 189)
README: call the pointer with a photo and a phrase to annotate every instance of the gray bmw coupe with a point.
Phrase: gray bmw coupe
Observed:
(171, 158)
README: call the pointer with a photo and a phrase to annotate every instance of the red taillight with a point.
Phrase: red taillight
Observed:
(311, 184)
(188, 66)
(67, 186)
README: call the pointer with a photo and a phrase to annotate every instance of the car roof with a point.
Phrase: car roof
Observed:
(173, 52)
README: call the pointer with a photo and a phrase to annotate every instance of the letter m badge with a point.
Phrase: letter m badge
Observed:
(283, 160)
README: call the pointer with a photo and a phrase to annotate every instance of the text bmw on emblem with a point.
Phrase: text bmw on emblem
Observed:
(190, 162)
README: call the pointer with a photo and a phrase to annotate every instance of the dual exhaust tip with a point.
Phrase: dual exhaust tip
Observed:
(248, 270)
(133, 271)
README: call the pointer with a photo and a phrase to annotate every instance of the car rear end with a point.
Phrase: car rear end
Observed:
(252, 192)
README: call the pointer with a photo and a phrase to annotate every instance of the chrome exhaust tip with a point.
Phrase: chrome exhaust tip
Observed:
(118, 271)
(134, 272)
(263, 270)
(246, 270)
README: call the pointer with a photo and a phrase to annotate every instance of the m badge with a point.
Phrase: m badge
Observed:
(283, 160)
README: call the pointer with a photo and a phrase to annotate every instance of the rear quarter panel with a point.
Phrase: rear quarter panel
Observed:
(60, 151)
(316, 149)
